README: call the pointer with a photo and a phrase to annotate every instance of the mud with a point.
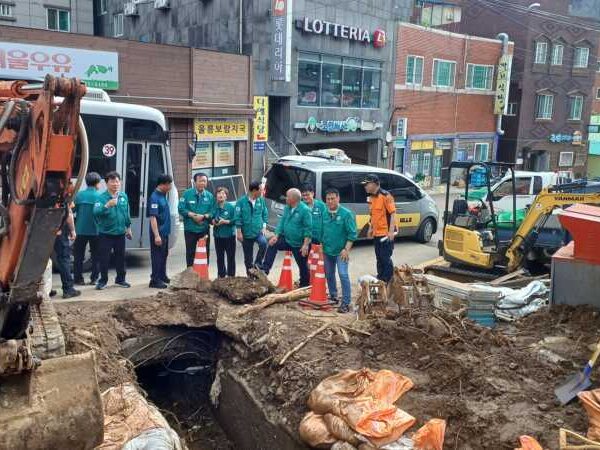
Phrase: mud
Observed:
(490, 386)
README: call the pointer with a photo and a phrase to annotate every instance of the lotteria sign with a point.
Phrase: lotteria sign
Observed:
(337, 30)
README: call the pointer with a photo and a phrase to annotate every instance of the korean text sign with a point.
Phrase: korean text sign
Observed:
(261, 120)
(221, 130)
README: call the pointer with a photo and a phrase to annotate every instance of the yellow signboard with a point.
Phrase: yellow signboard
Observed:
(221, 129)
(502, 84)
(261, 120)
(421, 145)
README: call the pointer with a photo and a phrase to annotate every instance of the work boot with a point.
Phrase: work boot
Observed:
(123, 284)
(343, 309)
(100, 286)
(167, 280)
(79, 282)
(52, 293)
(158, 285)
(71, 293)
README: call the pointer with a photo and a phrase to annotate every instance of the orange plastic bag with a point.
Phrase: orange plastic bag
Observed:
(430, 436)
(314, 432)
(382, 426)
(529, 443)
(591, 403)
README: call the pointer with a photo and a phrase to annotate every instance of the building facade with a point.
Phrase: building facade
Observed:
(67, 16)
(209, 115)
(553, 76)
(593, 166)
(445, 100)
(323, 68)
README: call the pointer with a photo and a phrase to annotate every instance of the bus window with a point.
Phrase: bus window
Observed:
(156, 167)
(100, 132)
(133, 176)
(142, 130)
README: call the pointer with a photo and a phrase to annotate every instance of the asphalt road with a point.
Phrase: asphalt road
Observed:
(362, 261)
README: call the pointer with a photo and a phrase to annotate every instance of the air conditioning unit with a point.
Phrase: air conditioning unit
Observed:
(97, 95)
(162, 4)
(130, 9)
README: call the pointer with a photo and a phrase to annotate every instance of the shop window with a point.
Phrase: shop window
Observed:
(582, 55)
(580, 159)
(557, 54)
(575, 107)
(479, 76)
(437, 167)
(330, 81)
(414, 70)
(565, 159)
(426, 164)
(511, 109)
(58, 19)
(443, 73)
(118, 25)
(541, 52)
(482, 152)
(544, 104)
(6, 10)
(103, 9)
(309, 81)
(462, 154)
(415, 163)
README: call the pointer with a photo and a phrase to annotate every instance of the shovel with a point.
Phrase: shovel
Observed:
(578, 382)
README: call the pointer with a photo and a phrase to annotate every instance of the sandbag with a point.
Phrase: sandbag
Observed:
(313, 431)
(529, 443)
(591, 403)
(430, 436)
(340, 430)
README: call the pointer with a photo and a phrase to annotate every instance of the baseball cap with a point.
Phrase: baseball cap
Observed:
(371, 178)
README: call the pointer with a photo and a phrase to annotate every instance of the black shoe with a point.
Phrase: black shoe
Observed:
(158, 285)
(167, 280)
(52, 293)
(100, 286)
(79, 282)
(71, 293)
(343, 309)
(123, 284)
(93, 281)
(333, 300)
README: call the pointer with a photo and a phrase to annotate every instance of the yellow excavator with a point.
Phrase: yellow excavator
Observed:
(47, 400)
(470, 236)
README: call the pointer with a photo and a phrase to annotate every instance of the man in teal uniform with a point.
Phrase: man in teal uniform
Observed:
(339, 234)
(317, 211)
(293, 233)
(86, 229)
(251, 217)
(114, 225)
(196, 206)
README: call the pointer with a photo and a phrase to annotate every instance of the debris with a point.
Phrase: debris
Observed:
(564, 436)
(313, 430)
(303, 343)
(529, 443)
(271, 299)
(241, 290)
(517, 303)
(591, 403)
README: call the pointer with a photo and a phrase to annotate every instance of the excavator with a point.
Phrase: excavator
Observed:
(471, 242)
(48, 400)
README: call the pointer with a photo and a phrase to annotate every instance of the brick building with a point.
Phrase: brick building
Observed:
(593, 166)
(186, 84)
(444, 99)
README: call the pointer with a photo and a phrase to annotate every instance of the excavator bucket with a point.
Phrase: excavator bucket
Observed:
(56, 406)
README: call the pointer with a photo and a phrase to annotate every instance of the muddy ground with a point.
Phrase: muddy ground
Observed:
(490, 386)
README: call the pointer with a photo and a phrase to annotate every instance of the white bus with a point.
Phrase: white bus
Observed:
(133, 140)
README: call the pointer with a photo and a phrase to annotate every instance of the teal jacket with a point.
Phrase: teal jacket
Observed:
(227, 212)
(251, 219)
(115, 220)
(317, 211)
(295, 225)
(338, 228)
(85, 222)
(203, 204)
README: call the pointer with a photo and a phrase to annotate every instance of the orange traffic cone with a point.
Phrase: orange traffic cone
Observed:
(285, 279)
(318, 289)
(313, 259)
(201, 259)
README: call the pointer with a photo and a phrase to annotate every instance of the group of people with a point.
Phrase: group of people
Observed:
(102, 221)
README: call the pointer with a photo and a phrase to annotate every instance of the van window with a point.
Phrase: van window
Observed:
(401, 189)
(281, 178)
(360, 195)
(537, 185)
(343, 182)
(521, 184)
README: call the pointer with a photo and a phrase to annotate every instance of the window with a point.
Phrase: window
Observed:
(433, 15)
(543, 106)
(537, 185)
(401, 188)
(281, 178)
(580, 159)
(482, 152)
(426, 164)
(521, 187)
(479, 77)
(581, 57)
(565, 159)
(598, 68)
(443, 73)
(58, 19)
(541, 52)
(415, 158)
(342, 181)
(414, 70)
(102, 6)
(557, 54)
(575, 107)
(597, 93)
(118, 25)
(511, 109)
(6, 10)
(333, 81)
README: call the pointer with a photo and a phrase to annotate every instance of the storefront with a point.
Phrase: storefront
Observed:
(593, 165)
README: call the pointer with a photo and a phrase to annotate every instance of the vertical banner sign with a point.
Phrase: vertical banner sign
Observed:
(281, 56)
(502, 84)
(261, 122)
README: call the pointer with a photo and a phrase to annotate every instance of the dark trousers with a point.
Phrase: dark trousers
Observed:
(248, 248)
(62, 253)
(302, 261)
(383, 254)
(225, 246)
(81, 242)
(158, 257)
(191, 240)
(107, 244)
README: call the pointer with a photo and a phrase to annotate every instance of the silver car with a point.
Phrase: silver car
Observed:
(416, 212)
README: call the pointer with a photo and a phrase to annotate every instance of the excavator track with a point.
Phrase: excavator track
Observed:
(449, 270)
(47, 338)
